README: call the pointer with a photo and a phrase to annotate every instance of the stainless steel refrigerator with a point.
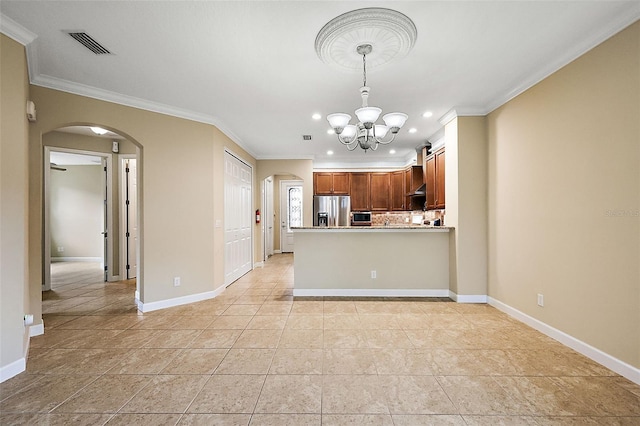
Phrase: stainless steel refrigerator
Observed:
(331, 210)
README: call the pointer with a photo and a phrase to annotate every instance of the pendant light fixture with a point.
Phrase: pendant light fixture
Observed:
(366, 133)
(346, 43)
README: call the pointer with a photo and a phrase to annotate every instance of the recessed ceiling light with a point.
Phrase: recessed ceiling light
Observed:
(316, 116)
(392, 151)
(98, 130)
(413, 130)
(329, 152)
(330, 132)
(427, 114)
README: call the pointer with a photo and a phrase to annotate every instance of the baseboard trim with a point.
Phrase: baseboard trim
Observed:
(468, 298)
(258, 265)
(76, 259)
(357, 292)
(13, 369)
(177, 301)
(17, 367)
(36, 329)
(277, 252)
(630, 372)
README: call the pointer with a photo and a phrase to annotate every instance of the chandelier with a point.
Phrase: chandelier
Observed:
(366, 134)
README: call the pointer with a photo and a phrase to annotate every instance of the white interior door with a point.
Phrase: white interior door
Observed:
(238, 218)
(290, 212)
(131, 214)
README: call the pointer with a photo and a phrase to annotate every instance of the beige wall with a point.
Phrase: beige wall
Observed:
(466, 153)
(77, 211)
(343, 260)
(14, 89)
(564, 197)
(181, 185)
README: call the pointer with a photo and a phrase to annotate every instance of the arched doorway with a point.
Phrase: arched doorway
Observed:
(84, 166)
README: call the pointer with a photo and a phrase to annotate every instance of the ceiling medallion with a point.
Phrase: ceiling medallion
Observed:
(391, 33)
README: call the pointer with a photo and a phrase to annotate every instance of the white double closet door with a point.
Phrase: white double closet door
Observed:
(238, 218)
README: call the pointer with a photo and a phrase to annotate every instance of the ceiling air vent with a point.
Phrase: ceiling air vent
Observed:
(306, 137)
(87, 41)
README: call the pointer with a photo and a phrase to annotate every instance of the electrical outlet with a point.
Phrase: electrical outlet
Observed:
(176, 281)
(28, 319)
(60, 249)
(540, 300)
(373, 274)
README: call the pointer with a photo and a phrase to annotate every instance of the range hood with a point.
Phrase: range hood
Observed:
(420, 192)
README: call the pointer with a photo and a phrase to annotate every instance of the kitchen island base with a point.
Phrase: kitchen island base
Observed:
(372, 262)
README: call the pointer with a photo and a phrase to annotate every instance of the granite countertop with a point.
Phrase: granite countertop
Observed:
(377, 227)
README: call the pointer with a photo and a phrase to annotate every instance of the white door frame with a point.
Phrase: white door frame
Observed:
(122, 195)
(267, 217)
(284, 201)
(46, 255)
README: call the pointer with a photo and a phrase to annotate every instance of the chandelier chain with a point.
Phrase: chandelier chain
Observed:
(364, 67)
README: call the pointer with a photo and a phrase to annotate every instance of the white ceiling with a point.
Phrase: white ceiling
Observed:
(69, 159)
(251, 68)
(86, 131)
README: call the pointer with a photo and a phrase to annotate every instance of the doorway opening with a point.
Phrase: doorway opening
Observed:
(291, 212)
(77, 221)
(82, 208)
(268, 225)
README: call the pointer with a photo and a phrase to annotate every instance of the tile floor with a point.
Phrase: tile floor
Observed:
(256, 356)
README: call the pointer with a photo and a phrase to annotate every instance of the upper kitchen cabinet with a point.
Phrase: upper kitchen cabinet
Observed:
(328, 183)
(380, 191)
(414, 179)
(434, 180)
(360, 191)
(398, 191)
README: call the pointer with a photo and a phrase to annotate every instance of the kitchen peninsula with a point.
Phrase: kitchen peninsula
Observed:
(391, 261)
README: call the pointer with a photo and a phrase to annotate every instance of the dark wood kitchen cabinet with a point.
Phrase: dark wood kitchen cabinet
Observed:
(360, 191)
(380, 183)
(328, 183)
(398, 191)
(434, 180)
(414, 179)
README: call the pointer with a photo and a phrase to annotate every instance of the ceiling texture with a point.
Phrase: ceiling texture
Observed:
(251, 68)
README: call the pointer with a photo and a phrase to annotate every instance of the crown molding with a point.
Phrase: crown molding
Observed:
(130, 101)
(12, 29)
(462, 112)
(598, 36)
(284, 157)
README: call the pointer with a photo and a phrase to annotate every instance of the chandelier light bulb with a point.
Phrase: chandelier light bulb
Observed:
(338, 121)
(395, 119)
(381, 131)
(349, 132)
(368, 115)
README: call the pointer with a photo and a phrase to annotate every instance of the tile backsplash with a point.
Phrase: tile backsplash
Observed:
(404, 218)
